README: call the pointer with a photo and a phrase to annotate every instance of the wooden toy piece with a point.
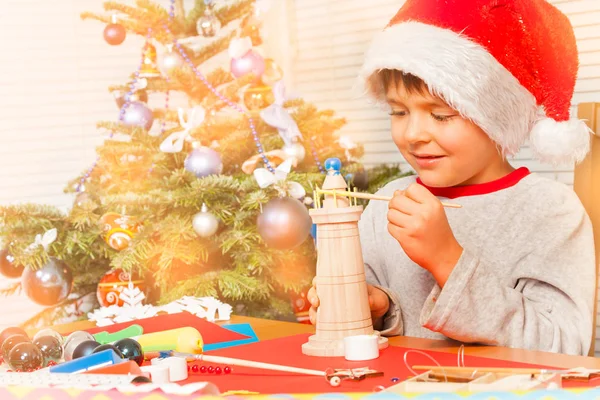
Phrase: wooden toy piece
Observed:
(472, 380)
(340, 280)
(579, 374)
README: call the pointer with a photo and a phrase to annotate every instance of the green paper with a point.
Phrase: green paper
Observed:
(129, 332)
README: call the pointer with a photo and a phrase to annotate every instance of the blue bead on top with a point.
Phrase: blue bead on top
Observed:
(333, 166)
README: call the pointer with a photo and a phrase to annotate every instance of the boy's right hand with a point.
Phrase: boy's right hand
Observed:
(379, 302)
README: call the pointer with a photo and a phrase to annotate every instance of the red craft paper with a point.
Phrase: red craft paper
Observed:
(287, 351)
(211, 332)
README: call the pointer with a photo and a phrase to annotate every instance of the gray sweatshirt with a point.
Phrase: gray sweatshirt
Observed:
(526, 278)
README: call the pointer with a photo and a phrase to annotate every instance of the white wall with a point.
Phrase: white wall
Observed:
(330, 39)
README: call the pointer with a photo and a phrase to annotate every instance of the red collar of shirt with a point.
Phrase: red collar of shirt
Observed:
(482, 188)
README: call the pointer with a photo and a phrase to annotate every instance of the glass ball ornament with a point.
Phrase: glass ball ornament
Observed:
(25, 357)
(251, 62)
(73, 340)
(205, 224)
(114, 34)
(48, 285)
(84, 348)
(8, 267)
(49, 332)
(10, 342)
(50, 347)
(208, 25)
(284, 223)
(170, 60)
(138, 114)
(258, 97)
(8, 332)
(203, 161)
(295, 150)
(131, 350)
(108, 347)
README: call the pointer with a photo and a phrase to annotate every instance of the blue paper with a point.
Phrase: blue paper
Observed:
(243, 329)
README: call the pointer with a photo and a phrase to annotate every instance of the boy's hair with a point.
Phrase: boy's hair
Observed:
(411, 83)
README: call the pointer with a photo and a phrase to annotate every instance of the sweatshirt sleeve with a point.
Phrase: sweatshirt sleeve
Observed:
(376, 275)
(547, 302)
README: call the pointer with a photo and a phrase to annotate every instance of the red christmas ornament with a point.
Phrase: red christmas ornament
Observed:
(114, 34)
(119, 229)
(301, 306)
(113, 283)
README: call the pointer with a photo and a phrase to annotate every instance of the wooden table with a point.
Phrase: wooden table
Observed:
(269, 329)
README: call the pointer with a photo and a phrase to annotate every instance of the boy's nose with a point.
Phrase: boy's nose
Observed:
(416, 132)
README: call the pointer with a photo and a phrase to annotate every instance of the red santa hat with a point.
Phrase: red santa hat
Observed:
(508, 65)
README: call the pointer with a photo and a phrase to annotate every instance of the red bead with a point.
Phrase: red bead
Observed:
(227, 370)
(51, 363)
(203, 369)
(189, 368)
(210, 369)
(195, 368)
(218, 370)
(9, 370)
(18, 370)
(29, 369)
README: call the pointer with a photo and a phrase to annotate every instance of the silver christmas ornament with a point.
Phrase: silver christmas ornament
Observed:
(203, 161)
(48, 332)
(208, 25)
(296, 190)
(170, 60)
(139, 115)
(205, 224)
(284, 223)
(295, 150)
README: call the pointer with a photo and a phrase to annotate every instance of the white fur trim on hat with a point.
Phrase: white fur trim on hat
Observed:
(560, 142)
(461, 72)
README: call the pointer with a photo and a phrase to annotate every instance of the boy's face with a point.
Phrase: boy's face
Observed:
(443, 148)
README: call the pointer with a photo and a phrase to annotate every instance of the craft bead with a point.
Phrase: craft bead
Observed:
(218, 370)
(195, 368)
(210, 369)
(203, 369)
(227, 370)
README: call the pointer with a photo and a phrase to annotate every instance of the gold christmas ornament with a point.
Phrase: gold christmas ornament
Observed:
(273, 72)
(149, 69)
(119, 229)
(258, 97)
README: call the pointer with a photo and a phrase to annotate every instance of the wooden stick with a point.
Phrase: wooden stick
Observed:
(487, 370)
(369, 196)
(251, 364)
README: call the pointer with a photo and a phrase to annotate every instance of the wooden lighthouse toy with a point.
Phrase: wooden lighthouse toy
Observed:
(340, 281)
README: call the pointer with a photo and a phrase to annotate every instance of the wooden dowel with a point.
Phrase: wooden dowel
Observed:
(369, 196)
(486, 370)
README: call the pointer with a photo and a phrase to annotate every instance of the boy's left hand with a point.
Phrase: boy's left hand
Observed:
(417, 220)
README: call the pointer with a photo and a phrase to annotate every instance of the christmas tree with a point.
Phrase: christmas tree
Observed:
(205, 200)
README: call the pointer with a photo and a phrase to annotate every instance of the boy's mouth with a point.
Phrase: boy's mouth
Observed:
(427, 160)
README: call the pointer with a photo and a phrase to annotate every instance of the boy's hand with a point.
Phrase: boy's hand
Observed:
(417, 220)
(378, 302)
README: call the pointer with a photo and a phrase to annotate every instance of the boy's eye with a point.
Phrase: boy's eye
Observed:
(442, 118)
(398, 113)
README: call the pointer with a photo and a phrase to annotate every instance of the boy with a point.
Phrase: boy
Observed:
(466, 83)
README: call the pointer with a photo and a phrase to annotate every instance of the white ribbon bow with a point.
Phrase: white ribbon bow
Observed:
(266, 178)
(174, 143)
(347, 144)
(239, 47)
(44, 241)
(278, 117)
